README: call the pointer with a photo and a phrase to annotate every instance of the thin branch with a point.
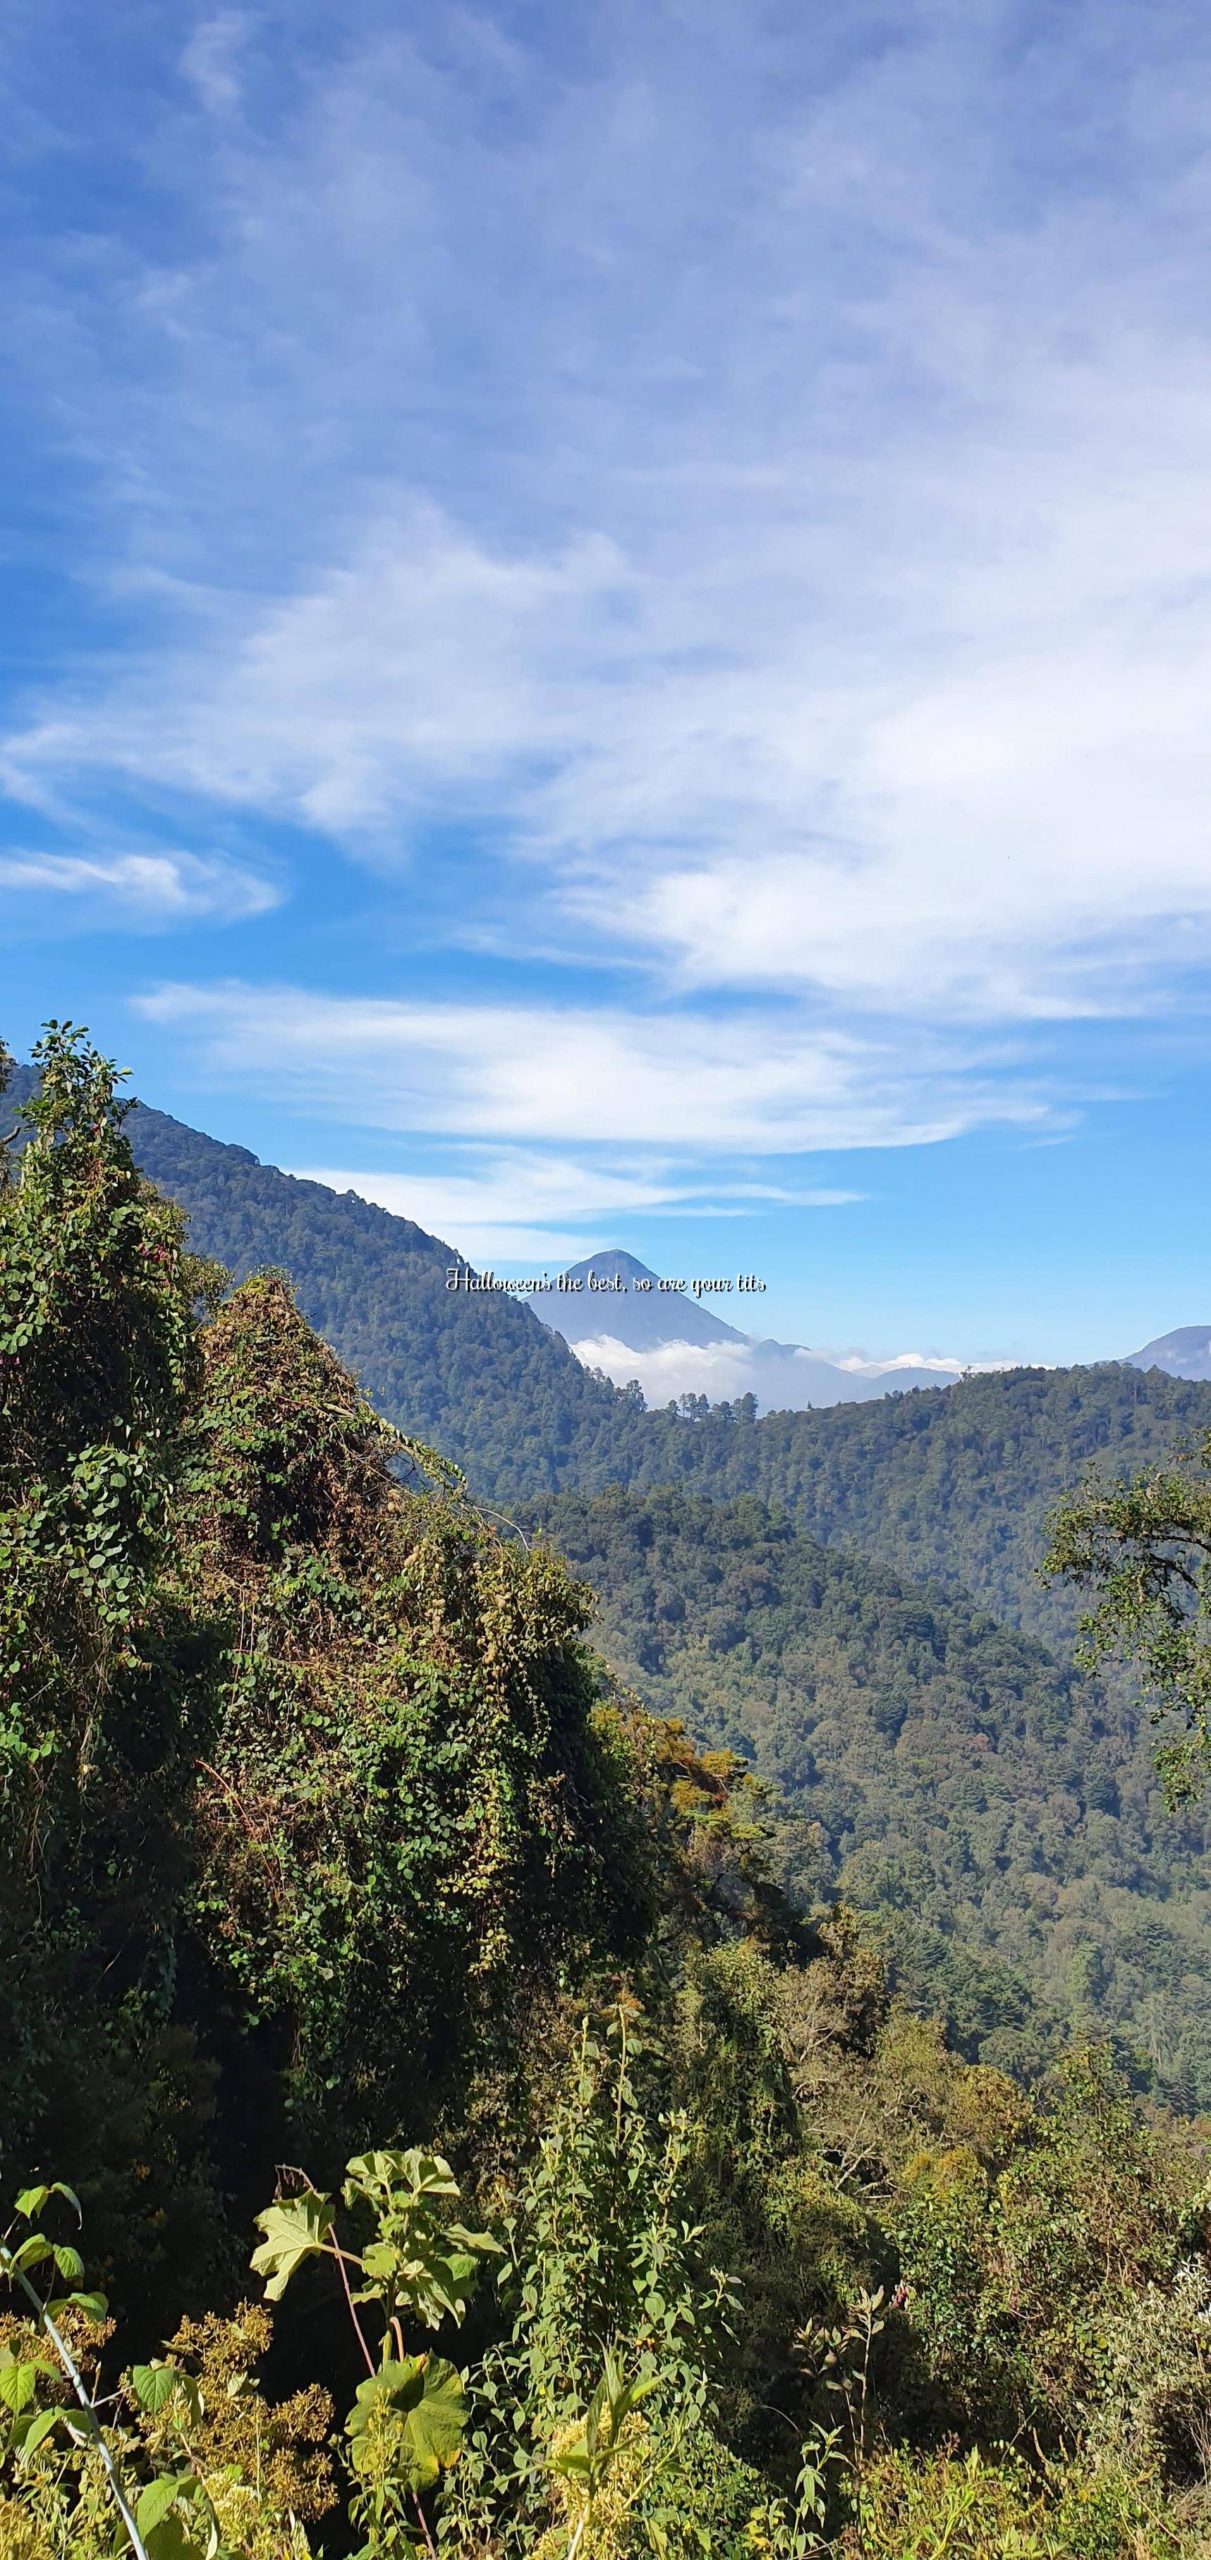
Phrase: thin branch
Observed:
(339, 2256)
(424, 2524)
(18, 2276)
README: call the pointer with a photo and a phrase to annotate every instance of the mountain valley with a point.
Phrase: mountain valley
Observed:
(789, 1956)
(848, 1597)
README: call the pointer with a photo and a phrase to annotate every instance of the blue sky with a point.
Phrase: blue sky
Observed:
(608, 627)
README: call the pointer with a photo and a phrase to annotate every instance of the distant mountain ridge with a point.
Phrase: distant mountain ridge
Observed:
(643, 1317)
(950, 1486)
(1184, 1353)
(620, 1306)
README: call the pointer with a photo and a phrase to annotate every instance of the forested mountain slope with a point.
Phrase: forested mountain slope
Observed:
(952, 1483)
(323, 1831)
(1001, 1813)
(955, 1484)
(478, 1376)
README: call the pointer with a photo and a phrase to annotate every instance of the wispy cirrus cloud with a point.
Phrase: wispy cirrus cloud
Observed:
(744, 474)
(136, 889)
(977, 837)
(677, 1080)
(507, 1203)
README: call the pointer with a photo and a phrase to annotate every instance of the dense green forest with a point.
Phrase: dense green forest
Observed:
(1003, 1814)
(480, 1377)
(954, 1484)
(411, 2030)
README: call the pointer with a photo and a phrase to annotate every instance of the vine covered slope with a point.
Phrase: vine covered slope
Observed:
(419, 2029)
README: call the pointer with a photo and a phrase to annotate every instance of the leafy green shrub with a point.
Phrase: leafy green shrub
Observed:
(944, 2507)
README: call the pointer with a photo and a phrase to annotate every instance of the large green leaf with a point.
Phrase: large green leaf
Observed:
(34, 2429)
(294, 2230)
(154, 2503)
(155, 2385)
(171, 2540)
(481, 2241)
(32, 2252)
(31, 2199)
(417, 2173)
(18, 2386)
(411, 2414)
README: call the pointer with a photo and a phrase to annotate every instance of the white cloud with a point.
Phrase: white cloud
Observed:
(513, 1207)
(546, 1209)
(422, 668)
(141, 888)
(978, 833)
(748, 467)
(721, 1371)
(946, 1367)
(784, 1378)
(1027, 841)
(679, 1080)
(210, 60)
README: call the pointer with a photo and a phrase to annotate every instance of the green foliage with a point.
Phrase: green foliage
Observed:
(298, 1759)
(1018, 2279)
(405, 2428)
(1082, 2218)
(97, 1358)
(323, 1818)
(612, 2303)
(1105, 1929)
(502, 1397)
(419, 2265)
(105, 1690)
(184, 2460)
(1144, 1550)
(593, 2453)
(947, 2508)
(999, 1815)
(408, 2420)
(406, 1785)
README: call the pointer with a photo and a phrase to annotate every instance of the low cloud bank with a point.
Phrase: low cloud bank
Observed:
(780, 1375)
